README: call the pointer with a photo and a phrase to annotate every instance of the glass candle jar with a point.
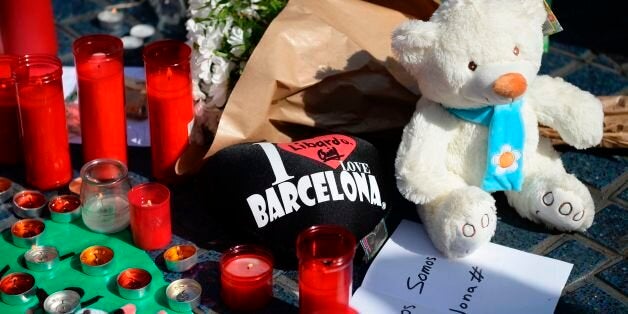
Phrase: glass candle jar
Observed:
(43, 128)
(104, 195)
(170, 103)
(9, 126)
(246, 277)
(28, 27)
(325, 254)
(99, 69)
(150, 215)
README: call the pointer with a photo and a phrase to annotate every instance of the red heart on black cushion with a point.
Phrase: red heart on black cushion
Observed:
(327, 149)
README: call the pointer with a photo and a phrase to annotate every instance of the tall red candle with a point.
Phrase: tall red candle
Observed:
(28, 27)
(99, 67)
(43, 126)
(150, 215)
(9, 128)
(325, 254)
(246, 277)
(170, 103)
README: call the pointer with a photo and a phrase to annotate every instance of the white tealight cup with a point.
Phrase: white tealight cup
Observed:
(142, 31)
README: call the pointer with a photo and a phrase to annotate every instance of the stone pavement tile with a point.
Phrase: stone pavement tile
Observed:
(609, 228)
(597, 81)
(607, 62)
(144, 13)
(616, 276)
(583, 258)
(590, 299)
(69, 8)
(516, 232)
(578, 51)
(553, 61)
(594, 170)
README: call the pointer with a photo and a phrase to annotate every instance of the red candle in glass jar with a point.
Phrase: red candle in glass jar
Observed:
(43, 126)
(99, 68)
(246, 277)
(170, 103)
(9, 127)
(150, 215)
(325, 255)
(28, 27)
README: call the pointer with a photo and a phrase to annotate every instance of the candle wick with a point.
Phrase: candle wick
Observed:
(149, 203)
(249, 266)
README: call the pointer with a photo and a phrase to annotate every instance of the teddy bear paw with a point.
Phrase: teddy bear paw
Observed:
(563, 210)
(471, 232)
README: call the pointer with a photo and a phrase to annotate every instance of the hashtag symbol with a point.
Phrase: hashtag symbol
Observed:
(476, 274)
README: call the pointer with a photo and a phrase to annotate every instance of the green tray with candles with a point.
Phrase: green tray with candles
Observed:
(100, 289)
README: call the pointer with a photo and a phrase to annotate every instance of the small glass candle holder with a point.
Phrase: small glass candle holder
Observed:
(180, 258)
(26, 232)
(150, 215)
(325, 254)
(29, 204)
(104, 189)
(9, 119)
(246, 273)
(17, 288)
(184, 295)
(64, 208)
(170, 103)
(41, 258)
(43, 127)
(6, 189)
(97, 260)
(99, 69)
(133, 283)
(61, 302)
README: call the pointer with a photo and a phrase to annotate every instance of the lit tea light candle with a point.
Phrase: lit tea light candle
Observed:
(29, 204)
(17, 288)
(26, 232)
(184, 295)
(6, 189)
(65, 208)
(131, 42)
(96, 260)
(246, 273)
(149, 205)
(111, 19)
(41, 258)
(133, 283)
(61, 302)
(180, 258)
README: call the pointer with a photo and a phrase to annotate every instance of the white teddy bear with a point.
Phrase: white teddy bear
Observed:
(475, 129)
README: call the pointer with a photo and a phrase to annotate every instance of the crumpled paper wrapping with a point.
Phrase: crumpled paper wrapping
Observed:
(322, 65)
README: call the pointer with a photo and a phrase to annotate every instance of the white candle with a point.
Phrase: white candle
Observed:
(131, 42)
(142, 31)
(110, 19)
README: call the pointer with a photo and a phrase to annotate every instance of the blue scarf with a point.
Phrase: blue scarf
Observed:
(506, 135)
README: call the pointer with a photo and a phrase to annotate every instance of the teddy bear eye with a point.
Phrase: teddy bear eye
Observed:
(515, 51)
(472, 66)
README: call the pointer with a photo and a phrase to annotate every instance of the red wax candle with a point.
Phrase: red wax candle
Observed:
(325, 255)
(28, 27)
(9, 128)
(99, 67)
(170, 103)
(43, 127)
(150, 215)
(246, 277)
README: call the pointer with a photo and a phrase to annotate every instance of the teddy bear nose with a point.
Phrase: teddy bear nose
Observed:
(510, 85)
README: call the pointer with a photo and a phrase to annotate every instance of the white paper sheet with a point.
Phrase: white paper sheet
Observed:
(410, 276)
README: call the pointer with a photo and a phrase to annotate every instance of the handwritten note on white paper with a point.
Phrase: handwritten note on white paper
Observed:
(410, 276)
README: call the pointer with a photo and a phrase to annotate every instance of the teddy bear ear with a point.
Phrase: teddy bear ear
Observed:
(411, 38)
(535, 9)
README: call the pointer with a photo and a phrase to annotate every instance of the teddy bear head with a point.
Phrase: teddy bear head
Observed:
(474, 53)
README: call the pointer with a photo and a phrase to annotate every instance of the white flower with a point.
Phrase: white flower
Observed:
(506, 161)
(236, 36)
(221, 68)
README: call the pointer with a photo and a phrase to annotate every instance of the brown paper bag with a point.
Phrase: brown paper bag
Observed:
(322, 65)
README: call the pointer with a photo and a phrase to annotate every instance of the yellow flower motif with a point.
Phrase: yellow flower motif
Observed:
(506, 160)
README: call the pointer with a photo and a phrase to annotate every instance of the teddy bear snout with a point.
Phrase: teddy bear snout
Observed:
(510, 85)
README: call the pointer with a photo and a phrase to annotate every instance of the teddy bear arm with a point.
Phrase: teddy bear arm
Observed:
(421, 170)
(576, 114)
